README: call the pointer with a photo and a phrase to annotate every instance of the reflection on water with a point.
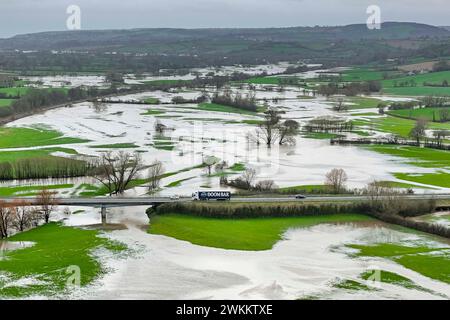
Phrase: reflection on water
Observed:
(304, 263)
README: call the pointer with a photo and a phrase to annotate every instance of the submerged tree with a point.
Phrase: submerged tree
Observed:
(209, 162)
(6, 219)
(116, 171)
(418, 132)
(268, 130)
(46, 200)
(24, 215)
(155, 172)
(287, 130)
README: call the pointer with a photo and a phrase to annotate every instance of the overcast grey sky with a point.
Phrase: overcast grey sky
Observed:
(27, 16)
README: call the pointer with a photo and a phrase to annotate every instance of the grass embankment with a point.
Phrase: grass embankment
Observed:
(33, 137)
(55, 249)
(238, 234)
(428, 261)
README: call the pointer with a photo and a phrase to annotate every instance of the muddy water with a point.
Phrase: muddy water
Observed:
(195, 134)
(305, 263)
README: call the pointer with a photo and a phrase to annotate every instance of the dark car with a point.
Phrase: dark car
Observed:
(300, 196)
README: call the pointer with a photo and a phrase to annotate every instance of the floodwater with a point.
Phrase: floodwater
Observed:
(306, 263)
(194, 134)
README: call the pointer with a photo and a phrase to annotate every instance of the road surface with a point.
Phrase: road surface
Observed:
(148, 201)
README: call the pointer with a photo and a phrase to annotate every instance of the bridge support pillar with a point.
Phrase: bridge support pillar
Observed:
(103, 212)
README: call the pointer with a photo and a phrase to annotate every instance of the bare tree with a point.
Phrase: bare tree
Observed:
(160, 127)
(340, 105)
(419, 129)
(268, 130)
(209, 163)
(6, 219)
(266, 185)
(23, 215)
(336, 179)
(383, 198)
(116, 171)
(47, 203)
(249, 177)
(155, 173)
(440, 135)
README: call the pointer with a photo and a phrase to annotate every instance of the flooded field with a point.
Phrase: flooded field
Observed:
(308, 262)
(314, 262)
(194, 133)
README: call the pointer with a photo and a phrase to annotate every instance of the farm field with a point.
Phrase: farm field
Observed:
(430, 114)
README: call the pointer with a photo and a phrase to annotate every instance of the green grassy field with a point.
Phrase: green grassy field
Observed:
(398, 126)
(423, 157)
(151, 112)
(221, 108)
(178, 182)
(33, 137)
(362, 103)
(440, 179)
(365, 74)
(403, 185)
(124, 145)
(320, 135)
(166, 82)
(238, 234)
(419, 89)
(14, 91)
(264, 80)
(303, 189)
(431, 114)
(6, 102)
(11, 156)
(55, 249)
(152, 100)
(26, 191)
(428, 261)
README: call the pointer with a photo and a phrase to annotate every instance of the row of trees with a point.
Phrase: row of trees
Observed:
(23, 215)
(328, 124)
(236, 100)
(349, 89)
(43, 168)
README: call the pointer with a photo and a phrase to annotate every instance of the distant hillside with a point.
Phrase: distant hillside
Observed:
(168, 40)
